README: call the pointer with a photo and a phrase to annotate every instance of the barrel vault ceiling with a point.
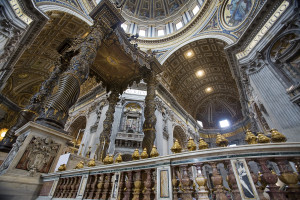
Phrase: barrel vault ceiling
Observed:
(192, 70)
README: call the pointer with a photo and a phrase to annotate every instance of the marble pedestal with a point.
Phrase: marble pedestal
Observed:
(36, 151)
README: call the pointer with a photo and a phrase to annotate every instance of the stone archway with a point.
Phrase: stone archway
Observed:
(76, 129)
(179, 134)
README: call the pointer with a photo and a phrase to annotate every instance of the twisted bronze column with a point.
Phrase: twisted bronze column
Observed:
(150, 118)
(36, 102)
(107, 123)
(56, 108)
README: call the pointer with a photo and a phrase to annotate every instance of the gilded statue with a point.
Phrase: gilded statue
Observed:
(136, 155)
(144, 154)
(262, 138)
(154, 152)
(277, 136)
(176, 148)
(250, 137)
(191, 144)
(79, 165)
(221, 141)
(62, 167)
(92, 163)
(202, 144)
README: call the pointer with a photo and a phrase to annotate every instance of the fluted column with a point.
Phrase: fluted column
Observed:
(270, 179)
(149, 112)
(107, 123)
(56, 108)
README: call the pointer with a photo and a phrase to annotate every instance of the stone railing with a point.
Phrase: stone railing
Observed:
(259, 171)
(130, 136)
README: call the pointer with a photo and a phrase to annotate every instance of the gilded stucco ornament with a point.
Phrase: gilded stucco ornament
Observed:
(80, 165)
(176, 148)
(277, 136)
(136, 155)
(221, 141)
(250, 137)
(144, 154)
(62, 167)
(202, 144)
(191, 144)
(92, 163)
(119, 158)
(154, 152)
(261, 138)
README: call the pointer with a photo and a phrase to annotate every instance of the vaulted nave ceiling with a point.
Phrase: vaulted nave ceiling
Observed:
(199, 77)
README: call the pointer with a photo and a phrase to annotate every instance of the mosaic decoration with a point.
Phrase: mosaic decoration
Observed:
(236, 11)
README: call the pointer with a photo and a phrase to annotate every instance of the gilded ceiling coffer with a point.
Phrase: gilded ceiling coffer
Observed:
(31, 111)
(150, 118)
(107, 123)
(56, 108)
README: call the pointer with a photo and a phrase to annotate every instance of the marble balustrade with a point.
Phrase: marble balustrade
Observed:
(218, 173)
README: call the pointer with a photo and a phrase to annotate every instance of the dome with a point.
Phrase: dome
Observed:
(158, 18)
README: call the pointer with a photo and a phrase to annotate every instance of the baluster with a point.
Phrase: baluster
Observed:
(121, 186)
(87, 187)
(254, 177)
(186, 183)
(99, 186)
(137, 185)
(218, 183)
(64, 192)
(93, 187)
(60, 194)
(232, 182)
(289, 178)
(148, 183)
(57, 190)
(73, 188)
(70, 187)
(271, 179)
(128, 185)
(201, 181)
(107, 186)
(175, 183)
(77, 186)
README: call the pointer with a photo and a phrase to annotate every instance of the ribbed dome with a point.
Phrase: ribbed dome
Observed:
(155, 18)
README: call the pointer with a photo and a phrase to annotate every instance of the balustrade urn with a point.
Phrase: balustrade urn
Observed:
(202, 144)
(201, 181)
(270, 179)
(218, 183)
(250, 137)
(136, 155)
(144, 154)
(221, 141)
(276, 136)
(119, 158)
(261, 138)
(191, 144)
(232, 182)
(176, 148)
(154, 152)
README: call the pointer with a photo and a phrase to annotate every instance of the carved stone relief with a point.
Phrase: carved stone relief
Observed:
(38, 156)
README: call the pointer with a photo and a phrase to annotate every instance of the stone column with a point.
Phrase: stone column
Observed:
(56, 108)
(107, 123)
(150, 118)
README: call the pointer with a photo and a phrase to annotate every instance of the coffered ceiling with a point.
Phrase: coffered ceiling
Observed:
(199, 77)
